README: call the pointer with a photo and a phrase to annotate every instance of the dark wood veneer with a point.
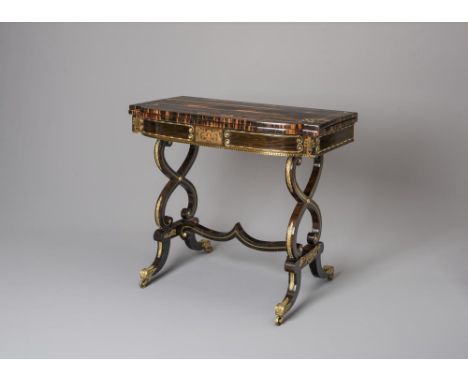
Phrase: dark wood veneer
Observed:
(262, 128)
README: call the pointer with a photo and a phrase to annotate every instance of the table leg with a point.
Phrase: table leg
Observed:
(176, 179)
(146, 274)
(298, 255)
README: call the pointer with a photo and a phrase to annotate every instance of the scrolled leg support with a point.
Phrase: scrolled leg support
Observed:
(187, 227)
(298, 255)
(167, 227)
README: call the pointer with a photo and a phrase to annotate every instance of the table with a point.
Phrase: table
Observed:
(291, 132)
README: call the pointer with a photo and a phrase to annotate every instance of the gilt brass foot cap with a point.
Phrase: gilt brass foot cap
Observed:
(278, 320)
(330, 271)
(206, 246)
(145, 275)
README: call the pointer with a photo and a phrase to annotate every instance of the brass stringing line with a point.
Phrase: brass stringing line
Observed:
(176, 178)
(338, 144)
(235, 148)
(331, 132)
(273, 152)
(246, 149)
(238, 232)
(304, 201)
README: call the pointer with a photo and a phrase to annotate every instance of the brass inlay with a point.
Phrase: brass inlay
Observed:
(236, 232)
(171, 233)
(308, 145)
(137, 124)
(284, 306)
(338, 138)
(264, 143)
(337, 127)
(299, 144)
(259, 143)
(310, 256)
(208, 135)
(168, 131)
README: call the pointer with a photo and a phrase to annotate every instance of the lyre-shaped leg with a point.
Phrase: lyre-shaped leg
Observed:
(176, 179)
(298, 256)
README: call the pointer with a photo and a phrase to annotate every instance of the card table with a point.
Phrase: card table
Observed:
(291, 132)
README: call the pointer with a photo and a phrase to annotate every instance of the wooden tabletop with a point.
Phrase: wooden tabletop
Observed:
(255, 127)
(244, 116)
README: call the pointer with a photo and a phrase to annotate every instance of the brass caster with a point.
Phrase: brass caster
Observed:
(206, 245)
(145, 275)
(278, 320)
(330, 271)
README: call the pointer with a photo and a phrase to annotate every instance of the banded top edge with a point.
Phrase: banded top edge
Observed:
(247, 116)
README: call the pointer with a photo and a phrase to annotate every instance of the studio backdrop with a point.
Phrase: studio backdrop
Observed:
(78, 189)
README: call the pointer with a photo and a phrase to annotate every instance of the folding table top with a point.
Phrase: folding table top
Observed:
(257, 127)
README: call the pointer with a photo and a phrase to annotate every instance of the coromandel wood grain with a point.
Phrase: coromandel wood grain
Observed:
(293, 132)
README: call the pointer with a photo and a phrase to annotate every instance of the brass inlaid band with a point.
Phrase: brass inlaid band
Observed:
(287, 144)
(333, 129)
(310, 256)
(260, 143)
(339, 138)
(167, 130)
(236, 232)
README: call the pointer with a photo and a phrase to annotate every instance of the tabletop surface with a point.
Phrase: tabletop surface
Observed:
(242, 115)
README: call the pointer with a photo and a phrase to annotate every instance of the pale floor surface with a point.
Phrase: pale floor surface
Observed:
(70, 295)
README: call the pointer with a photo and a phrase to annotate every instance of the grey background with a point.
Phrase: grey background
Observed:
(78, 189)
